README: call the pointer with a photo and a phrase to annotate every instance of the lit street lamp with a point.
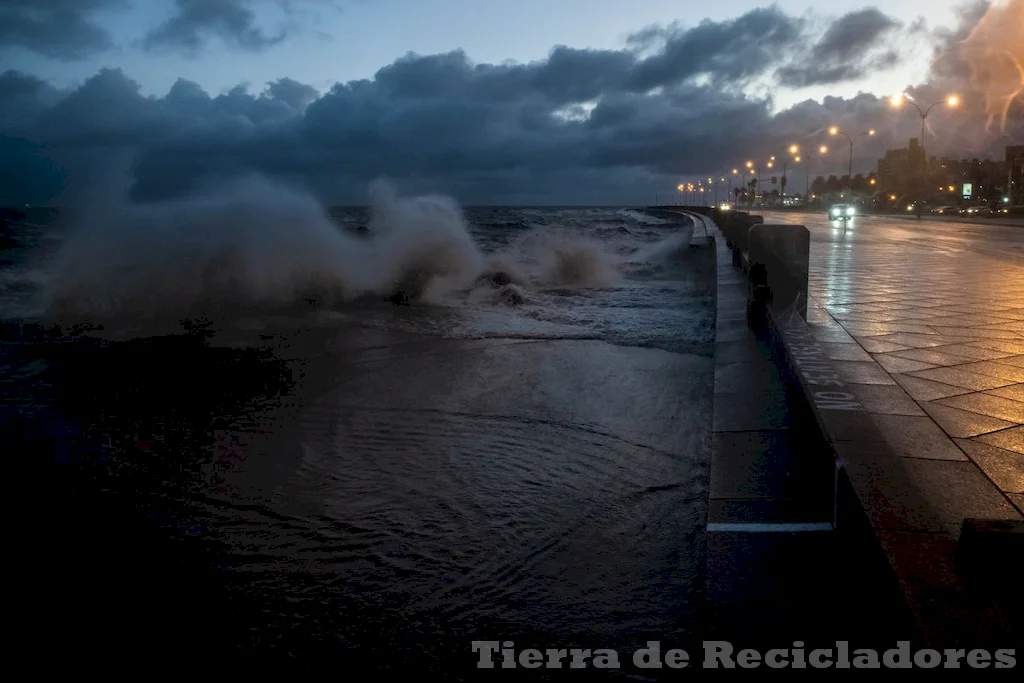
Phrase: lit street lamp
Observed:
(835, 131)
(798, 157)
(898, 100)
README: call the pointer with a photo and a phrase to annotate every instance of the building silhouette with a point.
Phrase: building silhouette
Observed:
(905, 171)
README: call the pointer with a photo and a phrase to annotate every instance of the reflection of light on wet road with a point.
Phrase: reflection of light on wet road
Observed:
(1004, 242)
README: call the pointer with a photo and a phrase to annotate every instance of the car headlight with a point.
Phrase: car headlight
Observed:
(849, 212)
(835, 212)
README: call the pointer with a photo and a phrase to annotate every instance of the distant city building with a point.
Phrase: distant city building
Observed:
(899, 167)
(1015, 174)
(901, 171)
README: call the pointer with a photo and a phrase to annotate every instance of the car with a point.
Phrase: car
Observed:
(944, 210)
(979, 211)
(841, 212)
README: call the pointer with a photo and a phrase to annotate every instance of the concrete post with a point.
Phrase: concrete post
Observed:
(780, 255)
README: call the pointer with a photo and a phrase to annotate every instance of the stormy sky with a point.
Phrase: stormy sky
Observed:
(568, 102)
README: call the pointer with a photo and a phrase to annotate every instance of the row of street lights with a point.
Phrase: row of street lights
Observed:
(794, 150)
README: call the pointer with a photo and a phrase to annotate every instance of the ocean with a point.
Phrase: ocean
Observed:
(390, 431)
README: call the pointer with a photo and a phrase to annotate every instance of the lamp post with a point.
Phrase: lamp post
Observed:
(834, 130)
(898, 100)
(756, 172)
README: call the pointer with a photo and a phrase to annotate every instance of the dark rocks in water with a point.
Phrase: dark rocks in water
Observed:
(511, 295)
(79, 329)
(10, 331)
(400, 299)
(498, 278)
(34, 332)
(501, 279)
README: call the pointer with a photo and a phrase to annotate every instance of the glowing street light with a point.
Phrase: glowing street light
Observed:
(834, 130)
(897, 101)
(793, 149)
(750, 164)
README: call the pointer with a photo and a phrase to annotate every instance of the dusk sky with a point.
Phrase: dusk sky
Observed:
(640, 94)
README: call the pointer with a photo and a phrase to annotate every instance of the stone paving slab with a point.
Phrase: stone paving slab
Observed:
(948, 332)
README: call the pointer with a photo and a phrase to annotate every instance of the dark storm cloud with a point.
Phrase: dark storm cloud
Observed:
(848, 50)
(581, 126)
(194, 22)
(727, 51)
(61, 29)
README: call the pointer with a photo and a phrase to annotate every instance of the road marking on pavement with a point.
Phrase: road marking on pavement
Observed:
(785, 527)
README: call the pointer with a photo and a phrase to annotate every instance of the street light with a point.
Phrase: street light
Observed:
(834, 130)
(898, 100)
(822, 150)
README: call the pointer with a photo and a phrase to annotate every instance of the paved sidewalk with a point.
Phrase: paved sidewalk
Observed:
(933, 345)
(772, 547)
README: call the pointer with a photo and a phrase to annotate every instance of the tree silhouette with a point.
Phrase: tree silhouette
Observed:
(832, 184)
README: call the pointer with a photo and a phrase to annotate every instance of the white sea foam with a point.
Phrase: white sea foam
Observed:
(256, 247)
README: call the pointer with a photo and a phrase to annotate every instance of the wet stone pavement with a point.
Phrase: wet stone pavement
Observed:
(932, 342)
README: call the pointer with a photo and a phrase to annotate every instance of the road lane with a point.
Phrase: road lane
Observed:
(1004, 242)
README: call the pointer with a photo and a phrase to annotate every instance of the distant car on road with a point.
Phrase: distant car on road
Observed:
(944, 210)
(980, 211)
(841, 212)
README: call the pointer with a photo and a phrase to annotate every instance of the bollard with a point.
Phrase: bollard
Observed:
(783, 252)
(759, 296)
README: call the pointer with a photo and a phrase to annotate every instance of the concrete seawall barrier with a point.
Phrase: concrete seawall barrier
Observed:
(944, 533)
(780, 256)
